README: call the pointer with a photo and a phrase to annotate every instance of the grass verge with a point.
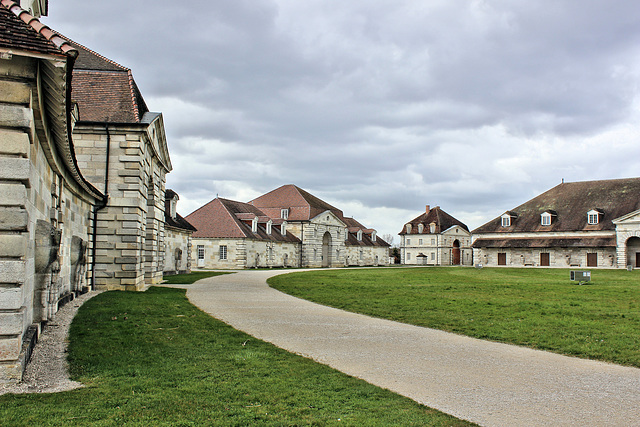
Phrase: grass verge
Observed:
(187, 279)
(538, 308)
(154, 359)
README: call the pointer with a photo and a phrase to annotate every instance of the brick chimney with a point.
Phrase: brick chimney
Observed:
(428, 208)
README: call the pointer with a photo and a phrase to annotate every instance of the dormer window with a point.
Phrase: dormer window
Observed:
(408, 228)
(284, 213)
(373, 236)
(269, 225)
(359, 235)
(506, 220)
(593, 216)
(420, 228)
(546, 218)
(283, 228)
(254, 225)
(432, 227)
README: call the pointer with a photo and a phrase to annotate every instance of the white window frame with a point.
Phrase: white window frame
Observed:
(223, 252)
(408, 242)
(200, 251)
(359, 235)
(506, 220)
(254, 225)
(545, 218)
(407, 228)
(284, 213)
(269, 225)
(593, 217)
(420, 241)
(420, 228)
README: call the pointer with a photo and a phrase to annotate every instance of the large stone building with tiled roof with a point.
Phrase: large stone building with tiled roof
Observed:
(46, 205)
(328, 239)
(435, 238)
(286, 227)
(121, 149)
(575, 224)
(236, 235)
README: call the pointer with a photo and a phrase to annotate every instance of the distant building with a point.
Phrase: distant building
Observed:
(178, 236)
(287, 227)
(575, 224)
(435, 238)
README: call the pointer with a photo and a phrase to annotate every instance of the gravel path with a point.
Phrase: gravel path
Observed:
(48, 371)
(488, 383)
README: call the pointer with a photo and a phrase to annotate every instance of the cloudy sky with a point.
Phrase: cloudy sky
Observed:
(380, 107)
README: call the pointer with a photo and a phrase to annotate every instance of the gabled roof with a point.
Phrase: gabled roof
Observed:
(443, 222)
(571, 201)
(20, 30)
(221, 218)
(302, 205)
(104, 90)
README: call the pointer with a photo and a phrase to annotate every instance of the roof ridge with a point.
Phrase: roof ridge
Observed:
(132, 92)
(50, 35)
(111, 61)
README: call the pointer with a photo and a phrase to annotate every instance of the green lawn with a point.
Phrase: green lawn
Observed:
(187, 279)
(152, 358)
(538, 308)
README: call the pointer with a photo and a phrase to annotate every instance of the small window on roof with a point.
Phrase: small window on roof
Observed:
(593, 217)
(269, 224)
(284, 213)
(254, 224)
(432, 227)
(373, 236)
(408, 228)
(359, 235)
(545, 218)
(420, 228)
(506, 220)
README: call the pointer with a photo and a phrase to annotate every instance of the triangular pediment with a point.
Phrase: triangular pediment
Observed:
(328, 218)
(631, 217)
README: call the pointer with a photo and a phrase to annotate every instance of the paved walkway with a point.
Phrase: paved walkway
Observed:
(488, 383)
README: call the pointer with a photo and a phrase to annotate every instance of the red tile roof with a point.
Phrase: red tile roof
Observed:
(221, 218)
(302, 205)
(443, 222)
(571, 201)
(21, 31)
(104, 90)
(547, 242)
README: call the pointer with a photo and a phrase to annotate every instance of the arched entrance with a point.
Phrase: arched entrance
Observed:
(326, 250)
(455, 255)
(633, 252)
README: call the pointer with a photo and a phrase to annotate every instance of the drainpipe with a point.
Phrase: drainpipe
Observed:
(98, 208)
(301, 243)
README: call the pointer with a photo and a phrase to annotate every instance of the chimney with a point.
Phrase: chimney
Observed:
(427, 210)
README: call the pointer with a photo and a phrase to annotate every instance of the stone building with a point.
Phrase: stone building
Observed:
(575, 224)
(326, 236)
(121, 149)
(435, 238)
(236, 235)
(46, 205)
(178, 235)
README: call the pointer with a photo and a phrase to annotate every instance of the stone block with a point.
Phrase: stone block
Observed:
(10, 297)
(12, 271)
(13, 92)
(15, 116)
(13, 245)
(14, 142)
(11, 323)
(14, 168)
(14, 194)
(9, 349)
(13, 219)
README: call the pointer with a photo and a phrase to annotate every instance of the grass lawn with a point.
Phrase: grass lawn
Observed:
(187, 279)
(152, 358)
(538, 308)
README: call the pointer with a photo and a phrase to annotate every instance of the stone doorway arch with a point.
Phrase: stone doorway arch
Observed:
(633, 252)
(326, 249)
(455, 255)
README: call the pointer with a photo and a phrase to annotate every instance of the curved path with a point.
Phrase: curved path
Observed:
(485, 382)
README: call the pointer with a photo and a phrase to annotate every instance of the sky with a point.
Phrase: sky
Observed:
(380, 107)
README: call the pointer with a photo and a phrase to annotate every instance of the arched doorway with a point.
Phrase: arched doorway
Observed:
(326, 250)
(633, 252)
(455, 255)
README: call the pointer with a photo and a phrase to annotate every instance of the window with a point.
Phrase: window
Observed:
(283, 228)
(433, 256)
(223, 252)
(408, 256)
(433, 241)
(506, 221)
(593, 217)
(419, 241)
(545, 219)
(408, 228)
(432, 227)
(420, 228)
(408, 242)
(359, 235)
(200, 252)
(269, 225)
(361, 254)
(254, 225)
(284, 213)
(373, 236)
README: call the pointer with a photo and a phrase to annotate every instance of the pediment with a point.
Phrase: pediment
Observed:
(328, 218)
(630, 218)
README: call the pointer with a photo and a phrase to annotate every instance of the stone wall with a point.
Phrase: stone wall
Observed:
(366, 255)
(178, 249)
(437, 248)
(558, 257)
(45, 217)
(245, 253)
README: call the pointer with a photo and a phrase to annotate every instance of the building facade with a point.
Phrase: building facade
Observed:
(178, 236)
(46, 205)
(435, 238)
(575, 224)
